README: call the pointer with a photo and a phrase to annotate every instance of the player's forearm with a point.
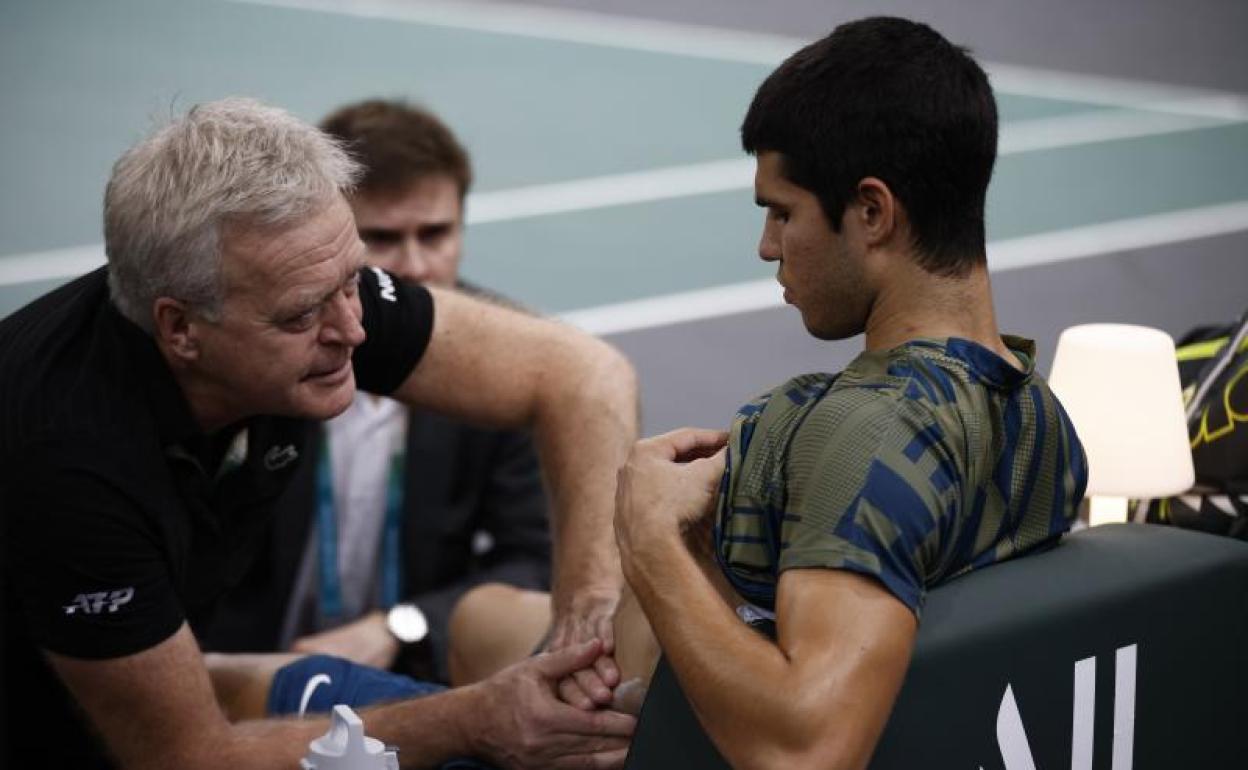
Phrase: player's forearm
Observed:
(586, 423)
(745, 691)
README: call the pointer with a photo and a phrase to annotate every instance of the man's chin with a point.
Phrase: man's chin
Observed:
(319, 402)
(828, 332)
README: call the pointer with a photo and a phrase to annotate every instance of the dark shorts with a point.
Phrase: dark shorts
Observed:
(315, 684)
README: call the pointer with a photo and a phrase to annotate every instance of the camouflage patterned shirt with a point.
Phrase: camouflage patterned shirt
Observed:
(913, 465)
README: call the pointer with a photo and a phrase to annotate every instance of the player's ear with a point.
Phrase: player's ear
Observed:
(877, 211)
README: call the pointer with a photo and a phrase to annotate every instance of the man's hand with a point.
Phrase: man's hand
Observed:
(590, 616)
(366, 641)
(669, 482)
(524, 725)
(668, 485)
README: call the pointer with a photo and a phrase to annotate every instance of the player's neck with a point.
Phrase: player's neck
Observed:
(916, 303)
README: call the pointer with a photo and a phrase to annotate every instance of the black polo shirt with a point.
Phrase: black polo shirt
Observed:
(119, 518)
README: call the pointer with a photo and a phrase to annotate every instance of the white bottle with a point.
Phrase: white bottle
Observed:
(346, 747)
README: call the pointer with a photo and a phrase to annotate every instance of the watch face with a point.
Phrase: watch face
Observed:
(407, 623)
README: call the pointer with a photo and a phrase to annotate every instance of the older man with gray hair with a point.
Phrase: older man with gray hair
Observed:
(152, 410)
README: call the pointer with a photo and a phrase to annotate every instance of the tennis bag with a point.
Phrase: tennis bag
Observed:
(1213, 367)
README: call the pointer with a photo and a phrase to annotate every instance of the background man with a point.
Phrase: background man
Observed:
(152, 411)
(411, 496)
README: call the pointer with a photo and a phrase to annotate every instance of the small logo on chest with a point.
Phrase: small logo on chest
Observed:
(279, 457)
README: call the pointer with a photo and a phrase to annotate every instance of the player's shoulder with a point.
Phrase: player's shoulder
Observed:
(808, 408)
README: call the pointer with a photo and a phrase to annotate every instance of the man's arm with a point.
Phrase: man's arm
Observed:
(488, 364)
(819, 696)
(155, 709)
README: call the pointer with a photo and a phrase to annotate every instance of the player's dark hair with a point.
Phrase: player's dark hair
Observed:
(892, 99)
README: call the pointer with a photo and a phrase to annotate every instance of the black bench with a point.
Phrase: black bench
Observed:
(1148, 624)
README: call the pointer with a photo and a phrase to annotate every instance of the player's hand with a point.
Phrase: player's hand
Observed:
(589, 615)
(366, 641)
(669, 484)
(524, 725)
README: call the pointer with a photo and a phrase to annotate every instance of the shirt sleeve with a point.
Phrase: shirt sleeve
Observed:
(88, 571)
(398, 322)
(866, 492)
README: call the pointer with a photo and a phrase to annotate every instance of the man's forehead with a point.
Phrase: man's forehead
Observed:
(324, 243)
(769, 179)
(436, 195)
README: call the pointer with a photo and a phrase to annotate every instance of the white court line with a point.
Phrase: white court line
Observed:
(702, 41)
(1105, 126)
(738, 174)
(672, 182)
(50, 265)
(1010, 254)
(610, 190)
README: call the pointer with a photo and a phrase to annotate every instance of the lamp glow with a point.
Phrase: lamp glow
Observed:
(1120, 386)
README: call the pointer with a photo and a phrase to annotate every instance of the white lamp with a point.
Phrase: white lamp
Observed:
(1120, 386)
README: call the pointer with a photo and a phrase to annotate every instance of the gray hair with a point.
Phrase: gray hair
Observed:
(233, 162)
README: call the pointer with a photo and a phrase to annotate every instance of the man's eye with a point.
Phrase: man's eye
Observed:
(352, 285)
(380, 238)
(302, 321)
(433, 233)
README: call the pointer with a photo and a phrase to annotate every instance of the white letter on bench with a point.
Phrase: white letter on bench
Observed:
(1011, 736)
(1085, 714)
(1124, 708)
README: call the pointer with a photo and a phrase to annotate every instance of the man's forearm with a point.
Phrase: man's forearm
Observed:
(426, 731)
(585, 425)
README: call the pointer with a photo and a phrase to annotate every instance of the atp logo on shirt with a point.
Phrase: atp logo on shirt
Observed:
(95, 603)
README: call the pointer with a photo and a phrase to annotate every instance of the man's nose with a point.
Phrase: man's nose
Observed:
(342, 324)
(769, 244)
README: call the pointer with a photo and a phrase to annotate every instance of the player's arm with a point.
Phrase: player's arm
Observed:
(489, 364)
(817, 698)
(155, 709)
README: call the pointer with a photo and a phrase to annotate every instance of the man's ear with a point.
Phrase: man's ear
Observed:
(174, 328)
(878, 212)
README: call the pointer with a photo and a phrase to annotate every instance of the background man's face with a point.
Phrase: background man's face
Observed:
(416, 234)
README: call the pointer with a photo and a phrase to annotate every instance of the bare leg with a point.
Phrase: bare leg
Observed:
(493, 626)
(242, 681)
(496, 625)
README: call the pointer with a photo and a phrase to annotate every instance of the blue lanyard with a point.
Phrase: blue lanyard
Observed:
(327, 536)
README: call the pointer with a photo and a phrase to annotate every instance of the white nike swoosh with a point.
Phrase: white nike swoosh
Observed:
(310, 687)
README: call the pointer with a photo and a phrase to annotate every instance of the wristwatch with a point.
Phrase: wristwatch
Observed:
(407, 623)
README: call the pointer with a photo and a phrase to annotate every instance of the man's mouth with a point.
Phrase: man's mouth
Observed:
(332, 372)
(788, 293)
